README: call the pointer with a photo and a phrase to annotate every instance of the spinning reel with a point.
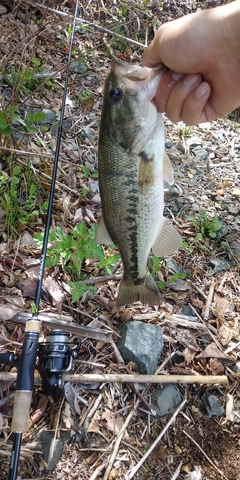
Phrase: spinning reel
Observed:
(55, 357)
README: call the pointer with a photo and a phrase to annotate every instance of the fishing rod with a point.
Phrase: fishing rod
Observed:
(30, 348)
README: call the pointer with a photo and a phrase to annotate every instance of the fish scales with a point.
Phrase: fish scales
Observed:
(131, 172)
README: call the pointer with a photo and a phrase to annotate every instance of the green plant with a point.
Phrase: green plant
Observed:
(78, 254)
(186, 131)
(189, 248)
(205, 226)
(19, 191)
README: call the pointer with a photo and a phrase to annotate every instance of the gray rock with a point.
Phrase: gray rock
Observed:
(200, 153)
(211, 405)
(51, 447)
(223, 230)
(186, 310)
(180, 147)
(236, 367)
(173, 265)
(77, 66)
(195, 141)
(141, 343)
(235, 246)
(50, 117)
(168, 144)
(177, 358)
(220, 265)
(165, 399)
(179, 285)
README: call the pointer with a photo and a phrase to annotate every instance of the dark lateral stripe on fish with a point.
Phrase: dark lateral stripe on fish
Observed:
(134, 256)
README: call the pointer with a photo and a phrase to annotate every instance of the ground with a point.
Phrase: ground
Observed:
(203, 205)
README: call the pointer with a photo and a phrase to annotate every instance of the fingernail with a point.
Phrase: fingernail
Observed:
(177, 76)
(192, 80)
(202, 90)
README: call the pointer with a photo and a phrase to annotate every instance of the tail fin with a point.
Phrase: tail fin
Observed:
(145, 292)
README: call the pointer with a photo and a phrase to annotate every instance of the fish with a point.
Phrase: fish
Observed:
(132, 168)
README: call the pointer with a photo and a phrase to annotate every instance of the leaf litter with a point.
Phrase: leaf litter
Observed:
(108, 429)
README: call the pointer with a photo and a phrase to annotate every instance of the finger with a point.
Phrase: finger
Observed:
(197, 108)
(179, 95)
(165, 87)
(151, 56)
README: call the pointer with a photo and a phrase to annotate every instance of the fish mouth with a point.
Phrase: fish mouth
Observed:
(136, 78)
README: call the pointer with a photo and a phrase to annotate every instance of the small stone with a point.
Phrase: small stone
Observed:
(177, 450)
(211, 405)
(200, 153)
(77, 66)
(235, 193)
(195, 207)
(179, 285)
(178, 357)
(180, 147)
(220, 192)
(236, 367)
(50, 117)
(165, 399)
(185, 468)
(234, 209)
(220, 265)
(195, 141)
(168, 144)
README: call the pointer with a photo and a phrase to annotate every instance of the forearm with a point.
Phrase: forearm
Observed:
(228, 18)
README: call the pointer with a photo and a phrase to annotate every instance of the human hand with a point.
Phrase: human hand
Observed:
(202, 52)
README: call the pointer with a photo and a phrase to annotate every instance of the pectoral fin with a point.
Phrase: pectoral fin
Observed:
(168, 240)
(167, 170)
(102, 235)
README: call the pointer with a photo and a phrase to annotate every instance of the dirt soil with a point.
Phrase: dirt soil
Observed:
(203, 205)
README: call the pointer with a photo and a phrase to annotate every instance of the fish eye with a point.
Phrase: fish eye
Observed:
(115, 94)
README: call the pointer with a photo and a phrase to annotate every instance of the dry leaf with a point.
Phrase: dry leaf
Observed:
(159, 452)
(55, 292)
(67, 416)
(94, 426)
(215, 367)
(40, 409)
(189, 355)
(222, 305)
(71, 397)
(211, 351)
(113, 423)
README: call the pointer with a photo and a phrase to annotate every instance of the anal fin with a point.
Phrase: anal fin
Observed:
(102, 235)
(168, 240)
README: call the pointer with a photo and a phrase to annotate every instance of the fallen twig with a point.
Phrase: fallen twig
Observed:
(209, 301)
(54, 321)
(213, 310)
(208, 330)
(169, 423)
(126, 378)
(177, 471)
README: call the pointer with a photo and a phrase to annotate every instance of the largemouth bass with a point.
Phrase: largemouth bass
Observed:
(132, 168)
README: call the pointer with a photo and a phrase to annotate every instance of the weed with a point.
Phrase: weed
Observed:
(77, 253)
(205, 226)
(186, 131)
(18, 197)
